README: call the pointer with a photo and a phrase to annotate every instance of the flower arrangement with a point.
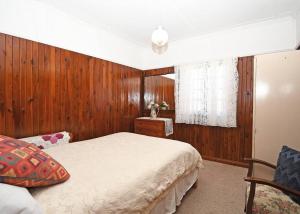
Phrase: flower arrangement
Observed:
(164, 105)
(154, 107)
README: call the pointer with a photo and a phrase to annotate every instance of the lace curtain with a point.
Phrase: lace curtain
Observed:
(206, 93)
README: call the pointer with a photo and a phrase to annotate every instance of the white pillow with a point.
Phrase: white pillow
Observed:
(49, 140)
(17, 200)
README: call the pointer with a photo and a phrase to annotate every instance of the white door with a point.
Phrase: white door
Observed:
(276, 104)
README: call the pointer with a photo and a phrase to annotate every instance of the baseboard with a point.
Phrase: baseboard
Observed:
(230, 162)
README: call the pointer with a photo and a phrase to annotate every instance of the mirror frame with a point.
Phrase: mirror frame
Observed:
(148, 73)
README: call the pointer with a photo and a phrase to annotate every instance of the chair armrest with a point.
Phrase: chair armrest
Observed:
(253, 160)
(272, 184)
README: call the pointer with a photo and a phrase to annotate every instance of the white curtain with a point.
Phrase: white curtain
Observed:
(206, 93)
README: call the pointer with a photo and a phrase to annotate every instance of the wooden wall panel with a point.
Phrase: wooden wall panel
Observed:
(45, 89)
(2, 82)
(229, 145)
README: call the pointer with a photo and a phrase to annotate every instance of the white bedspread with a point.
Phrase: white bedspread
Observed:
(119, 173)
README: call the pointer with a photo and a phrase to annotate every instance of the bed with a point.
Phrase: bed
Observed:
(121, 173)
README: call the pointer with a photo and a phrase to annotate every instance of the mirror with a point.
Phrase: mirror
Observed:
(158, 89)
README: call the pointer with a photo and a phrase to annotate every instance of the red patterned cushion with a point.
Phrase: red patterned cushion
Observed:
(24, 164)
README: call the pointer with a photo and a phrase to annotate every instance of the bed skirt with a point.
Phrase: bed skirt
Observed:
(167, 202)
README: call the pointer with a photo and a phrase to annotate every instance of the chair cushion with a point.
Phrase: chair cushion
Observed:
(23, 164)
(288, 170)
(270, 200)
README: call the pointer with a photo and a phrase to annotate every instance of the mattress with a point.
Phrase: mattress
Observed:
(118, 173)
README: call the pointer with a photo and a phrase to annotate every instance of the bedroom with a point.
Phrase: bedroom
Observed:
(149, 106)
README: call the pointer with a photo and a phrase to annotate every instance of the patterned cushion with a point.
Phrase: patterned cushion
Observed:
(23, 164)
(270, 200)
(288, 170)
(49, 140)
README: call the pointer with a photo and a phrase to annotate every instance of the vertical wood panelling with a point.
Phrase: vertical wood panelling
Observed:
(230, 145)
(28, 105)
(22, 81)
(2, 82)
(45, 89)
(9, 116)
(35, 87)
(16, 83)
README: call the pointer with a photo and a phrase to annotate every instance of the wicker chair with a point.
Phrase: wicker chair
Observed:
(266, 196)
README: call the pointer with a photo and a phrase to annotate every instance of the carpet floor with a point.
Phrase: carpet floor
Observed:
(220, 190)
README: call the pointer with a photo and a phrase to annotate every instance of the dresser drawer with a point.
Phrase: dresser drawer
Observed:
(150, 127)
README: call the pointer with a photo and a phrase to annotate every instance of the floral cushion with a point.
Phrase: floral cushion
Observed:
(24, 164)
(270, 200)
(49, 140)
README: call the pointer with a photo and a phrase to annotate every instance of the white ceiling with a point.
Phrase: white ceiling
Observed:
(136, 19)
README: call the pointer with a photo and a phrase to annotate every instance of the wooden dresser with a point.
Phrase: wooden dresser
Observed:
(153, 127)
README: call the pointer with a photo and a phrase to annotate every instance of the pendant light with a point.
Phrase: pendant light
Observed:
(159, 40)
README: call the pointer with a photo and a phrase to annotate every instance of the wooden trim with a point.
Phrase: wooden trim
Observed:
(158, 71)
(230, 162)
(253, 160)
(250, 198)
(272, 184)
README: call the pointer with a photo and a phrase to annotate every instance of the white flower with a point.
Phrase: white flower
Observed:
(164, 104)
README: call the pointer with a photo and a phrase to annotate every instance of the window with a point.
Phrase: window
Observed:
(206, 93)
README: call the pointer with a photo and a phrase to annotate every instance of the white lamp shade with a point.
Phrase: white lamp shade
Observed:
(159, 49)
(160, 37)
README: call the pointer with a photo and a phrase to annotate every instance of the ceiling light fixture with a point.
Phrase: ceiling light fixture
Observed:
(159, 40)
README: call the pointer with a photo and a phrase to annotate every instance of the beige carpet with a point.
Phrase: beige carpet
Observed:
(221, 190)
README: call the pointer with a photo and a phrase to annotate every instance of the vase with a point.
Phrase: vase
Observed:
(153, 113)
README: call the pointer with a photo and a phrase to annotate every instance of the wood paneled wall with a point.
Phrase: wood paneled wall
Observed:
(229, 145)
(46, 89)
(159, 89)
